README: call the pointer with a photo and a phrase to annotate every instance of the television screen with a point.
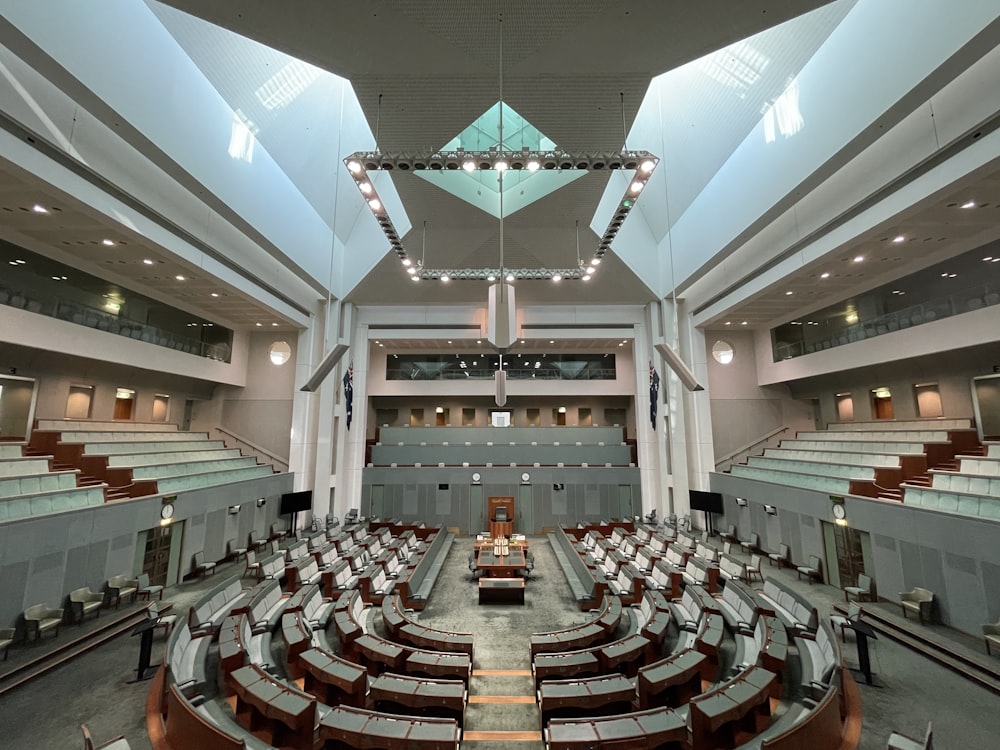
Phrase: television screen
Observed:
(295, 502)
(710, 502)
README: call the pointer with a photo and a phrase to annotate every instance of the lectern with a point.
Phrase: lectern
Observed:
(863, 631)
(145, 630)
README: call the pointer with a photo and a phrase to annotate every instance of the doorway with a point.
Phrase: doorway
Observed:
(156, 558)
(625, 502)
(846, 551)
(477, 510)
(525, 514)
(559, 416)
(378, 501)
(882, 403)
(124, 402)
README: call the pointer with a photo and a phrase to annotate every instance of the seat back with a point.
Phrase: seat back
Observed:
(865, 583)
(142, 581)
(783, 550)
(815, 563)
(199, 559)
(754, 541)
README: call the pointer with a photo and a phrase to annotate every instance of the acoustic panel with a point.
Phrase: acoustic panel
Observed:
(887, 543)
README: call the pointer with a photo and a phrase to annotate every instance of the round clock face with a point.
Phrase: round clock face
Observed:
(476, 477)
(839, 511)
(525, 477)
(167, 511)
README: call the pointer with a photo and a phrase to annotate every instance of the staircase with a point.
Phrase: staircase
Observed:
(82, 479)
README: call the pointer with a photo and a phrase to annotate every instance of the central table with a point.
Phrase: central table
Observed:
(501, 591)
(505, 566)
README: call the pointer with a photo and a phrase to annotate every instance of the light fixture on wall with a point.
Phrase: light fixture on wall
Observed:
(741, 501)
(770, 510)
(234, 509)
(261, 501)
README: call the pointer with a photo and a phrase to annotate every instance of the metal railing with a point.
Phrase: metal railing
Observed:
(232, 440)
(740, 454)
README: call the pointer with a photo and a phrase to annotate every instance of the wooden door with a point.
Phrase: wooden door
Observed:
(123, 408)
(156, 560)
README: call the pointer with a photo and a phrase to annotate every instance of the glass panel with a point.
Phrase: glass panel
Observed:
(477, 366)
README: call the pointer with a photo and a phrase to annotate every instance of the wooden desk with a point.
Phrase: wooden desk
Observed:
(572, 639)
(501, 591)
(333, 679)
(298, 639)
(346, 726)
(380, 655)
(437, 640)
(607, 694)
(625, 655)
(501, 528)
(507, 566)
(739, 705)
(659, 727)
(672, 681)
(562, 666)
(436, 664)
(272, 711)
(407, 695)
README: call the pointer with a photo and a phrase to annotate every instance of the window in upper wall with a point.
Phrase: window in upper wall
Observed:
(845, 407)
(161, 407)
(79, 402)
(723, 352)
(928, 400)
(280, 352)
(534, 417)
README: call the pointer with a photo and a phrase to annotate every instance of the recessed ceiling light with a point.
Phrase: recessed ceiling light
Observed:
(510, 277)
(445, 277)
(533, 165)
(557, 277)
(407, 262)
(479, 342)
(354, 167)
(586, 277)
(366, 187)
(415, 278)
(729, 322)
(825, 275)
(899, 238)
(636, 187)
(789, 293)
(995, 260)
(796, 322)
(411, 270)
(258, 324)
(20, 262)
(743, 323)
(858, 258)
(595, 262)
(988, 258)
(39, 209)
(275, 325)
(500, 166)
(647, 166)
(448, 342)
(215, 294)
(179, 277)
(491, 277)
(469, 166)
(950, 275)
(969, 204)
(147, 261)
(12, 262)
(551, 341)
(107, 243)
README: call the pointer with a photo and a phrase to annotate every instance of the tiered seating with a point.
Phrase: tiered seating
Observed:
(861, 458)
(512, 446)
(144, 457)
(29, 488)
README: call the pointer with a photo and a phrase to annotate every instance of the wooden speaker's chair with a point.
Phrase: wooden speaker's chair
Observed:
(860, 592)
(118, 743)
(991, 634)
(918, 600)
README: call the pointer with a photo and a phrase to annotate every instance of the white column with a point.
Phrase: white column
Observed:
(652, 444)
(351, 443)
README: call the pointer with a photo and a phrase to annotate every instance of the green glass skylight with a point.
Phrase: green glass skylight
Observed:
(520, 187)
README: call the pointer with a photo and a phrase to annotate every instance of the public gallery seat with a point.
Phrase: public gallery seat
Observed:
(83, 601)
(860, 592)
(991, 634)
(814, 569)
(145, 590)
(120, 587)
(918, 600)
(118, 743)
(201, 567)
(7, 638)
(39, 619)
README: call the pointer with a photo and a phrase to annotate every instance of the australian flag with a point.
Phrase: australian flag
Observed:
(654, 393)
(349, 393)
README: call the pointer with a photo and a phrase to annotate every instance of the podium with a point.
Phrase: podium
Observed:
(862, 632)
(145, 630)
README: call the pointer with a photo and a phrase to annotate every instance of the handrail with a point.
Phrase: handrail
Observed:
(253, 446)
(750, 446)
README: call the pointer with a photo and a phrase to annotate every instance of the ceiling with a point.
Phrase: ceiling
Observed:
(423, 70)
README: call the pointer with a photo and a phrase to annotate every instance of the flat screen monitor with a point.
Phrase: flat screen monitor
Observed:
(296, 502)
(709, 502)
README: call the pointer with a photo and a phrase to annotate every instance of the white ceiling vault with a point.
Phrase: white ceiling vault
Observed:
(578, 70)
(423, 71)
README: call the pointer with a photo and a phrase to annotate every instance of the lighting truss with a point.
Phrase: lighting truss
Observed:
(360, 163)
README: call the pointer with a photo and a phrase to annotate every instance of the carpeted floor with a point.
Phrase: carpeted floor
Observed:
(96, 687)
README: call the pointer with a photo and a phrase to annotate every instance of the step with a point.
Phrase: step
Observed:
(975, 671)
(57, 651)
